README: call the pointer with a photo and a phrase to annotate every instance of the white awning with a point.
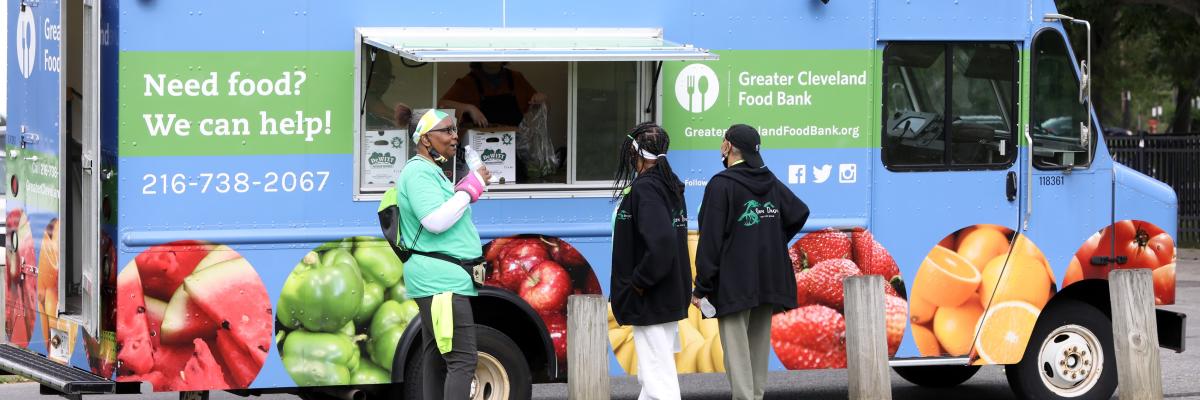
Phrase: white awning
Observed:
(531, 44)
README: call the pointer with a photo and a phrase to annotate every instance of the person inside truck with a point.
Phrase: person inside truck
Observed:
(378, 114)
(492, 94)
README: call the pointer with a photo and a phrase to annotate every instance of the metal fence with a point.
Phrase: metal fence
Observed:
(1173, 159)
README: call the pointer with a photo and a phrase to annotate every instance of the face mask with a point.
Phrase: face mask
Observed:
(433, 153)
(724, 158)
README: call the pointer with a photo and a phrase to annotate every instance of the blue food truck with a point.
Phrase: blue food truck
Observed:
(193, 186)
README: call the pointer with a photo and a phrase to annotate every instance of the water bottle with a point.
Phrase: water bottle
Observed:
(473, 160)
(707, 308)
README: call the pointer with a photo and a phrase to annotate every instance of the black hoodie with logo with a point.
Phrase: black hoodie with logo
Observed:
(746, 220)
(650, 254)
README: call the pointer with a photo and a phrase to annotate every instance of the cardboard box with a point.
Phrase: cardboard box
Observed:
(383, 156)
(497, 147)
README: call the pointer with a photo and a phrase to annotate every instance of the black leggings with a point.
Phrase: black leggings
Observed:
(460, 361)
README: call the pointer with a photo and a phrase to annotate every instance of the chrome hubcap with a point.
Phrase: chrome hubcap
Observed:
(1071, 360)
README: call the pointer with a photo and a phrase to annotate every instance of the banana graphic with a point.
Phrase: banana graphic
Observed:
(690, 341)
(704, 360)
(718, 354)
(618, 337)
(627, 357)
(708, 328)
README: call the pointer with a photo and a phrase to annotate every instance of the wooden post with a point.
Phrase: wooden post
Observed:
(587, 347)
(1135, 334)
(866, 338)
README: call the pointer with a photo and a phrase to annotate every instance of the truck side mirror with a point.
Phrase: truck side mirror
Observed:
(1085, 82)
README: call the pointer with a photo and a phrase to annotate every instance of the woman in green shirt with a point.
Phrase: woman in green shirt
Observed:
(435, 217)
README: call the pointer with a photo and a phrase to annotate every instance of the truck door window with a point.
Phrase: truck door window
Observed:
(1054, 105)
(969, 84)
(983, 82)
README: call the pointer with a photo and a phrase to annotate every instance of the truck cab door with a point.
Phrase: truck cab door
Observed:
(945, 199)
(1070, 193)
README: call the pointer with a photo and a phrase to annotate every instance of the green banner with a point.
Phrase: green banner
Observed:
(226, 103)
(39, 178)
(796, 99)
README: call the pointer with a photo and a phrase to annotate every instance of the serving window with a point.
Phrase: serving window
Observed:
(545, 108)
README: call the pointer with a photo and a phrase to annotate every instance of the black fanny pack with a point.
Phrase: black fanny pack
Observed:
(475, 267)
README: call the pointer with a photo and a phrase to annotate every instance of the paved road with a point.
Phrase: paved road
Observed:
(1181, 372)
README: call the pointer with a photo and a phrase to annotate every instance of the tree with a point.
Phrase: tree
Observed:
(1148, 47)
(1175, 50)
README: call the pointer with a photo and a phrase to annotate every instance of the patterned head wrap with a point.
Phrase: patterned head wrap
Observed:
(428, 120)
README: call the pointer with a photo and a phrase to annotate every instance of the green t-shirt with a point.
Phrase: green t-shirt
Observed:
(421, 189)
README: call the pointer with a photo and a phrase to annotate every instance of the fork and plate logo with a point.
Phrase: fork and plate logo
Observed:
(696, 88)
(26, 42)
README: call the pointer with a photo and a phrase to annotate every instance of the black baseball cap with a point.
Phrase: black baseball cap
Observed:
(745, 138)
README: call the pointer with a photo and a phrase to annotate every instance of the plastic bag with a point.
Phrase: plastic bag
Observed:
(534, 144)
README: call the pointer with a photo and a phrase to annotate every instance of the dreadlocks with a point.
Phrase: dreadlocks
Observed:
(646, 138)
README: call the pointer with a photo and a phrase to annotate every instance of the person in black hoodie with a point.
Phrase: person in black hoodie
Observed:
(651, 277)
(746, 220)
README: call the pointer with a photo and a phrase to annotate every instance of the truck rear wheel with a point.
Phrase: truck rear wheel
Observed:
(1070, 355)
(937, 376)
(501, 371)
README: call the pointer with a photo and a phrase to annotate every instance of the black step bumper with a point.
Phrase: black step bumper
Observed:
(63, 378)
(1172, 329)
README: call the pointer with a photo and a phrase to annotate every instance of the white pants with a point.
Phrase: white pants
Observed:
(656, 346)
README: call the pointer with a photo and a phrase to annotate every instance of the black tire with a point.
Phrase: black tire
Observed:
(427, 365)
(1069, 321)
(937, 376)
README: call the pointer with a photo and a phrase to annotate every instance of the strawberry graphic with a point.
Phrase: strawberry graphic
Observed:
(889, 290)
(802, 298)
(823, 282)
(809, 337)
(825, 244)
(896, 312)
(797, 258)
(872, 258)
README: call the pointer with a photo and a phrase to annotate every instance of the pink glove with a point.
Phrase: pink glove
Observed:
(472, 184)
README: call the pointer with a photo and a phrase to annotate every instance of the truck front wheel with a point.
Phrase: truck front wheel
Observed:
(501, 371)
(1069, 356)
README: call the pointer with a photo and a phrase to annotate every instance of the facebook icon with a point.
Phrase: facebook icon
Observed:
(796, 174)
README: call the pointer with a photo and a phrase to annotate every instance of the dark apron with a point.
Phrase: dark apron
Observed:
(502, 109)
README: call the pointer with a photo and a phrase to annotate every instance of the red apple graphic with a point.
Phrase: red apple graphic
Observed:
(556, 325)
(546, 288)
(516, 262)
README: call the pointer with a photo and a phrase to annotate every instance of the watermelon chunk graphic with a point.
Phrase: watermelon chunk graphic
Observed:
(183, 320)
(211, 330)
(157, 380)
(216, 256)
(202, 372)
(136, 354)
(164, 267)
(234, 297)
(169, 359)
(241, 365)
(155, 311)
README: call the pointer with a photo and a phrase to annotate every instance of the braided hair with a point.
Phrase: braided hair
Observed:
(649, 138)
